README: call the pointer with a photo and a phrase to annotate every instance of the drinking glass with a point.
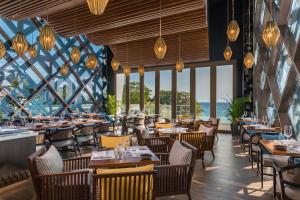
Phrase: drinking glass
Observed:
(245, 114)
(288, 132)
(252, 115)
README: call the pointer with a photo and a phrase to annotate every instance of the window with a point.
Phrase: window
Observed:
(120, 93)
(294, 111)
(224, 90)
(183, 94)
(165, 95)
(283, 68)
(149, 92)
(294, 19)
(271, 111)
(134, 93)
(203, 93)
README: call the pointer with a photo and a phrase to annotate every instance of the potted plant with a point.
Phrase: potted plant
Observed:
(111, 105)
(235, 111)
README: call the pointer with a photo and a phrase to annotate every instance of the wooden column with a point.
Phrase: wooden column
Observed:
(174, 91)
(193, 90)
(157, 89)
(213, 90)
(142, 107)
(127, 94)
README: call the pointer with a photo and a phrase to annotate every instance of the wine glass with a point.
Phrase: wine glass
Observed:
(245, 114)
(288, 132)
(252, 115)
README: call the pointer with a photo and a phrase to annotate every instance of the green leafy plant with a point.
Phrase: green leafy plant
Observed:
(112, 105)
(236, 108)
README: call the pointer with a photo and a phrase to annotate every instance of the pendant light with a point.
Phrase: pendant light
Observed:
(249, 59)
(91, 62)
(233, 28)
(75, 52)
(64, 70)
(160, 47)
(2, 50)
(97, 7)
(32, 49)
(75, 55)
(115, 63)
(271, 32)
(126, 68)
(19, 43)
(227, 51)
(47, 35)
(179, 62)
(141, 68)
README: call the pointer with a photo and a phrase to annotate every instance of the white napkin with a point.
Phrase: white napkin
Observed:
(103, 155)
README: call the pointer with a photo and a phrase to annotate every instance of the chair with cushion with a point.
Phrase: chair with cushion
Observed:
(210, 137)
(196, 139)
(84, 134)
(62, 139)
(198, 123)
(155, 144)
(286, 180)
(54, 178)
(113, 141)
(174, 176)
(136, 183)
(215, 122)
(265, 159)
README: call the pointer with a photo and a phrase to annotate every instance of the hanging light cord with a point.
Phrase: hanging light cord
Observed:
(127, 52)
(232, 9)
(249, 13)
(160, 18)
(227, 20)
(179, 41)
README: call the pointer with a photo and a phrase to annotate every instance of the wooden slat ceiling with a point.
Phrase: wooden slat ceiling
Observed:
(132, 23)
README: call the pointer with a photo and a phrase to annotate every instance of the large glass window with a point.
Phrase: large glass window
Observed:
(224, 90)
(203, 92)
(183, 94)
(271, 111)
(294, 19)
(134, 93)
(120, 93)
(294, 111)
(283, 68)
(165, 95)
(149, 92)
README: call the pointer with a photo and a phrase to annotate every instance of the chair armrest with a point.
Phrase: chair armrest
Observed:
(163, 157)
(76, 163)
(70, 185)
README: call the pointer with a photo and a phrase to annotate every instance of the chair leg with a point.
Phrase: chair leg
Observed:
(274, 184)
(203, 166)
(261, 170)
(189, 196)
(213, 154)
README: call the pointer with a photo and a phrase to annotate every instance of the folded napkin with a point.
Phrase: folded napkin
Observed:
(8, 131)
(103, 155)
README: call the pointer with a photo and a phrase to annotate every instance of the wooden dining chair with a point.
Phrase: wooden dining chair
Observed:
(72, 183)
(84, 135)
(137, 183)
(112, 141)
(196, 139)
(62, 139)
(175, 179)
(286, 180)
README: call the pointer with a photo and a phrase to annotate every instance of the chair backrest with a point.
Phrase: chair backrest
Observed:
(60, 133)
(101, 127)
(86, 129)
(125, 186)
(193, 161)
(31, 160)
(113, 141)
(139, 136)
(215, 122)
(196, 139)
(163, 125)
(198, 123)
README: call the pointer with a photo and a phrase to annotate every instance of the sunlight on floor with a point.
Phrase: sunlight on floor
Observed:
(210, 168)
(254, 189)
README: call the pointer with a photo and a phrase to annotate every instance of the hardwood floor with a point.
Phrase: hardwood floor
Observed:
(227, 177)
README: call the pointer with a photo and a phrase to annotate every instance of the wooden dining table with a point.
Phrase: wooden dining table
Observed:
(260, 128)
(110, 159)
(269, 145)
(61, 124)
